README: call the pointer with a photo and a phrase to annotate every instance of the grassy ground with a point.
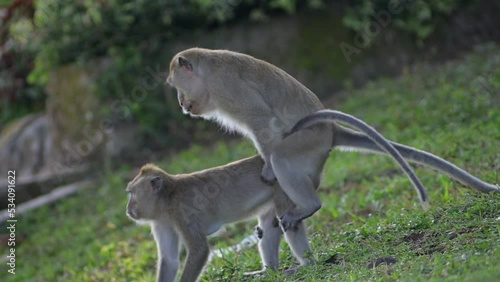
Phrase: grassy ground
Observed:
(370, 211)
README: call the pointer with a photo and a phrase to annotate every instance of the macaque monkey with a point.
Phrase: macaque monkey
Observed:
(189, 207)
(263, 103)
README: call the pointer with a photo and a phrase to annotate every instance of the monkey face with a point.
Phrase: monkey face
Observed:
(143, 197)
(191, 89)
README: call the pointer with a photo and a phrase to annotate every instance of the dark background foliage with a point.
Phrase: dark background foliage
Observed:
(37, 37)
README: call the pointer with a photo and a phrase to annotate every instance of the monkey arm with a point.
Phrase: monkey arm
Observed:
(168, 250)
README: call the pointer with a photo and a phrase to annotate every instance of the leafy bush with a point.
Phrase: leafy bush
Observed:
(17, 97)
(417, 18)
(131, 36)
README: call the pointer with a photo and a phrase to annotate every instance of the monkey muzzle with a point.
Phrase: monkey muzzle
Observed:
(132, 211)
(187, 106)
(132, 214)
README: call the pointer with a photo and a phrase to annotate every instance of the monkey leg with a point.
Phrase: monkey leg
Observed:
(297, 162)
(298, 242)
(168, 245)
(265, 139)
(197, 255)
(269, 242)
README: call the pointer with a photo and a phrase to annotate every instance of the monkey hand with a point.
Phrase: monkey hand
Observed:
(267, 174)
(258, 232)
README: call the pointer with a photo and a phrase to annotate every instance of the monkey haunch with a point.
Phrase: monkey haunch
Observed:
(263, 102)
(192, 206)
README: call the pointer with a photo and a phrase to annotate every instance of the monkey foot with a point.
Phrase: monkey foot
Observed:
(289, 222)
(292, 269)
(255, 273)
(261, 272)
(265, 271)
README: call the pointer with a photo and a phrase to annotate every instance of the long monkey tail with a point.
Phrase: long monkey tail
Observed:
(378, 139)
(353, 140)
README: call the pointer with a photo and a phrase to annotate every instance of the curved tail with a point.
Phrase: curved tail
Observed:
(350, 139)
(378, 139)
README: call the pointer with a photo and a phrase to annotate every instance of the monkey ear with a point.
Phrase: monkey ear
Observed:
(157, 184)
(183, 62)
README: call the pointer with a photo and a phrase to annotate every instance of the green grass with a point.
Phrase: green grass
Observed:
(370, 209)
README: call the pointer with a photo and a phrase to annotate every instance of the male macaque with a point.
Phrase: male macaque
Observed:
(263, 102)
(192, 206)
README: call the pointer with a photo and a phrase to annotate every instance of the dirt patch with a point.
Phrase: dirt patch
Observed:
(333, 260)
(452, 234)
(424, 243)
(416, 237)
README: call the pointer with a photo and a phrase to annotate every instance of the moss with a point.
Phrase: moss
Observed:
(73, 108)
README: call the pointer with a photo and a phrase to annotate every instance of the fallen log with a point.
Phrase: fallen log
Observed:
(32, 186)
(54, 195)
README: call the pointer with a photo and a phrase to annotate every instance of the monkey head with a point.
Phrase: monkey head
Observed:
(146, 193)
(187, 76)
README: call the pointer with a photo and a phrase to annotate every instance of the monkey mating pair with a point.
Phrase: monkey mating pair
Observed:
(293, 134)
